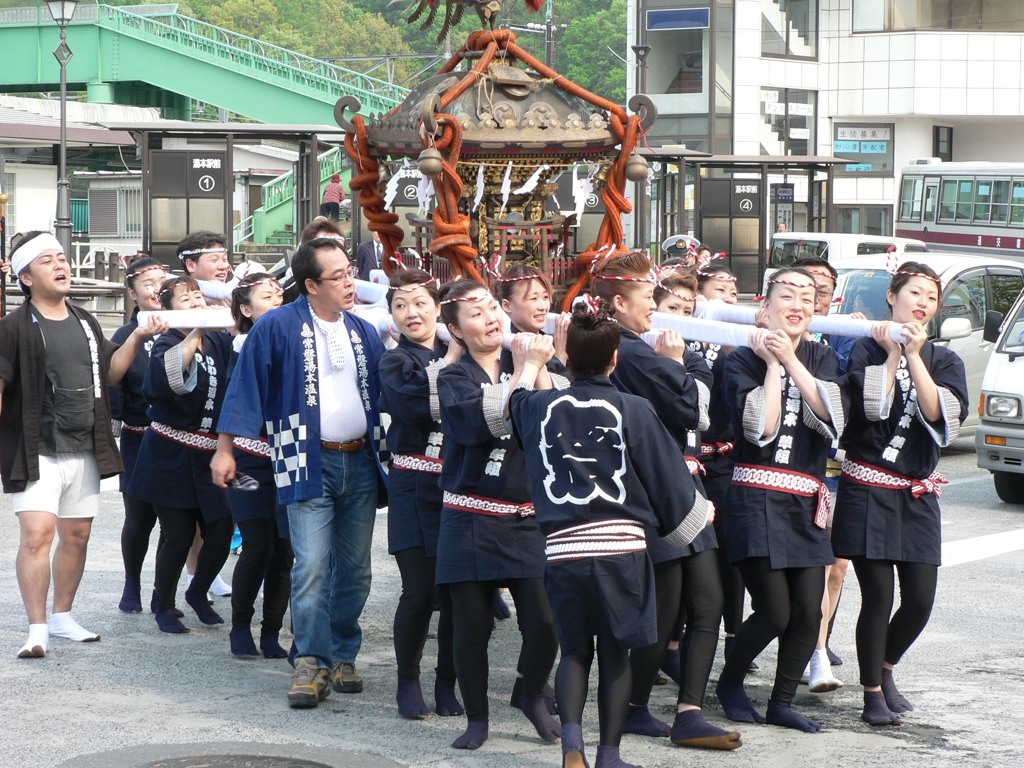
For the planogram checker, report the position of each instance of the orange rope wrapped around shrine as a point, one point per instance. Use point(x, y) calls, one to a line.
point(381, 220)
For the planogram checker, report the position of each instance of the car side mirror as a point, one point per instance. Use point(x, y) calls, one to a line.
point(954, 328)
point(993, 320)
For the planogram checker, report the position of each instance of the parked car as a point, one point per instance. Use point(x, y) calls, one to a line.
point(972, 285)
point(787, 247)
point(1000, 436)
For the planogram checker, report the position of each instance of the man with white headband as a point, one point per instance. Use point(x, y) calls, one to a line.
point(204, 257)
point(55, 437)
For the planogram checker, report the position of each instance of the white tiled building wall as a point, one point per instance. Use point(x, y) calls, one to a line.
point(970, 81)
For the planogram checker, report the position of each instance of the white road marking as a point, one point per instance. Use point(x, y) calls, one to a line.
point(980, 547)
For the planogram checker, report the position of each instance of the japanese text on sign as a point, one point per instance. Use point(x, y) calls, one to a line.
point(746, 189)
point(205, 162)
point(852, 132)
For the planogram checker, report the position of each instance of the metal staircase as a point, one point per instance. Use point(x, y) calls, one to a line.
point(156, 45)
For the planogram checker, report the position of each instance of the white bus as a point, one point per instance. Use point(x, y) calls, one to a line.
point(976, 206)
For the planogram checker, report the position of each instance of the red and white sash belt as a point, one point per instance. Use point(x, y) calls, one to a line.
point(693, 465)
point(869, 474)
point(716, 449)
point(417, 462)
point(596, 539)
point(135, 430)
point(257, 446)
point(787, 481)
point(481, 505)
point(204, 441)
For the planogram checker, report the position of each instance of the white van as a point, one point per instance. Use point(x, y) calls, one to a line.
point(1000, 436)
point(788, 247)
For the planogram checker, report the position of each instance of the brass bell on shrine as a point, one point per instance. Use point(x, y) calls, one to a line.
point(636, 168)
point(430, 162)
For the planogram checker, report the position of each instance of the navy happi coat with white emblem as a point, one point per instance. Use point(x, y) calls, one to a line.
point(175, 474)
point(595, 454)
point(408, 393)
point(888, 431)
point(775, 523)
point(680, 396)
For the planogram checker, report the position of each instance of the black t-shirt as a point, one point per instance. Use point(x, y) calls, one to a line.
point(68, 411)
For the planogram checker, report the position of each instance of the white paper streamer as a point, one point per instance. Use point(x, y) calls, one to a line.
point(424, 191)
point(531, 183)
point(214, 317)
point(506, 188)
point(391, 190)
point(581, 190)
point(479, 187)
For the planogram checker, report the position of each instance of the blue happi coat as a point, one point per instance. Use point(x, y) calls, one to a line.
point(274, 386)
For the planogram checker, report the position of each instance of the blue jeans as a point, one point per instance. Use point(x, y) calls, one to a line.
point(331, 538)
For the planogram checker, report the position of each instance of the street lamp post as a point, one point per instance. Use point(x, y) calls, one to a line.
point(62, 12)
point(642, 237)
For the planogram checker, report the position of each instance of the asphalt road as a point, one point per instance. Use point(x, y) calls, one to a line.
point(139, 695)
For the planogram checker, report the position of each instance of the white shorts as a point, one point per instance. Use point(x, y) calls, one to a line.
point(68, 486)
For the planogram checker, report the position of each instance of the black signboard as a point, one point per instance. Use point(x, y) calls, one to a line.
point(206, 174)
point(745, 198)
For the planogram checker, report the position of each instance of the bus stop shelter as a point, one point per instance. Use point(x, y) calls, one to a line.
point(185, 189)
point(732, 202)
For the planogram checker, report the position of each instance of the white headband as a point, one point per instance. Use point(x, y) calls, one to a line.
point(32, 250)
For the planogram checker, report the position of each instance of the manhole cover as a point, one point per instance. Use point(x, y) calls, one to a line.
point(233, 761)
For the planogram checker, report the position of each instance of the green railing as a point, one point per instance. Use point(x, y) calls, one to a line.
point(248, 55)
point(278, 193)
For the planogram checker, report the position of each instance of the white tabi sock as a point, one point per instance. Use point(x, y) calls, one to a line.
point(64, 625)
point(38, 642)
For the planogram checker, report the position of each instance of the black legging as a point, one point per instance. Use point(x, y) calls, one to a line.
point(179, 530)
point(728, 574)
point(786, 604)
point(139, 519)
point(880, 640)
point(613, 684)
point(266, 559)
point(689, 584)
point(412, 615)
point(472, 621)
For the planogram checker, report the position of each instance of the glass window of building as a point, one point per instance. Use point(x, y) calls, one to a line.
point(789, 28)
point(942, 143)
point(788, 121)
point(678, 64)
point(883, 15)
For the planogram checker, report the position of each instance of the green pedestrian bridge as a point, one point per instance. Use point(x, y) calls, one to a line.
point(153, 56)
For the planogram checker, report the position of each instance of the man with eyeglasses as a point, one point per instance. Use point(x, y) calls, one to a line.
point(308, 371)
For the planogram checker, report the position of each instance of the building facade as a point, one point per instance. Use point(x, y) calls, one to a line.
point(879, 83)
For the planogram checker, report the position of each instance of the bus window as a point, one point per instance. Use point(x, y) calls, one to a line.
point(947, 201)
point(1000, 200)
point(983, 201)
point(1017, 202)
point(931, 192)
point(964, 198)
point(910, 200)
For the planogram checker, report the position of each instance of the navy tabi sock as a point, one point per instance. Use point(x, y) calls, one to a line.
point(516, 700)
point(608, 757)
point(168, 621)
point(875, 710)
point(894, 700)
point(690, 729)
point(131, 597)
point(787, 717)
point(271, 647)
point(474, 737)
point(242, 643)
point(640, 722)
point(201, 605)
point(446, 703)
point(670, 664)
point(410, 699)
point(735, 703)
point(537, 713)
